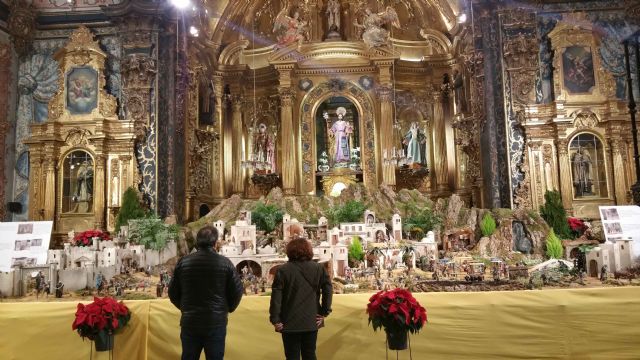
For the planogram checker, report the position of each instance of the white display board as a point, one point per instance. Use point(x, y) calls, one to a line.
point(24, 243)
point(622, 222)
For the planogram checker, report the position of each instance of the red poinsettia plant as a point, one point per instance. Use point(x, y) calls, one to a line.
point(396, 310)
point(85, 238)
point(577, 226)
point(102, 317)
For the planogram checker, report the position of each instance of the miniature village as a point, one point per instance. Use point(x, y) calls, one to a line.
point(366, 240)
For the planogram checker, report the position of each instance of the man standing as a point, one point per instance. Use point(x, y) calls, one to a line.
point(205, 287)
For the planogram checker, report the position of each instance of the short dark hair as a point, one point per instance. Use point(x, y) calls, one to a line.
point(206, 237)
point(299, 249)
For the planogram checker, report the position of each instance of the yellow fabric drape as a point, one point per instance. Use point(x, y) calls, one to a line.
point(585, 324)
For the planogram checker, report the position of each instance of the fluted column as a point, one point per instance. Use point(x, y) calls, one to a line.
point(99, 190)
point(386, 131)
point(288, 145)
point(619, 172)
point(440, 144)
point(36, 172)
point(566, 186)
point(219, 180)
point(50, 188)
point(236, 121)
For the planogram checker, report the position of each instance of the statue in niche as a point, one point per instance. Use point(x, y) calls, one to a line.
point(84, 187)
point(339, 137)
point(264, 149)
point(374, 34)
point(333, 19)
point(414, 141)
point(458, 91)
point(290, 29)
point(581, 164)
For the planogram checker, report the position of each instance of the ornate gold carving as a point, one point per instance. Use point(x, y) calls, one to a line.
point(81, 51)
point(547, 154)
point(138, 73)
point(201, 161)
point(584, 119)
point(561, 145)
point(287, 96)
point(97, 131)
point(22, 25)
point(307, 130)
point(77, 136)
point(5, 126)
point(384, 94)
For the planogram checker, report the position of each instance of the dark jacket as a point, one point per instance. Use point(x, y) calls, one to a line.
point(295, 295)
point(205, 287)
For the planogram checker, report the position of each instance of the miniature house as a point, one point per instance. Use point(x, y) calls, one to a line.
point(616, 255)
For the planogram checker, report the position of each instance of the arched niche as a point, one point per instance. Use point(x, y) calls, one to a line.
point(588, 166)
point(77, 182)
point(308, 164)
point(401, 135)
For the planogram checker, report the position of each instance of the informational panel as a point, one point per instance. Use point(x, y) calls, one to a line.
point(24, 243)
point(622, 222)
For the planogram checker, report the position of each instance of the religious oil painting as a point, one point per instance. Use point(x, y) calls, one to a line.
point(82, 90)
point(577, 65)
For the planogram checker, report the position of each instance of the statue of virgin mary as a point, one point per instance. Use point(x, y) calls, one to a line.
point(341, 130)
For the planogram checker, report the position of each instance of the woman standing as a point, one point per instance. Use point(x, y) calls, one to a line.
point(300, 300)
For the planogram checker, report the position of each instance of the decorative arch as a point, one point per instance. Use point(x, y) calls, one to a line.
point(231, 55)
point(588, 164)
point(308, 107)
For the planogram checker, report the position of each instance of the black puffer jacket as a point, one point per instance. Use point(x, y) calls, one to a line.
point(205, 287)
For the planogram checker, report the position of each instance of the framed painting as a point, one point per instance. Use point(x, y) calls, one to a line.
point(82, 90)
point(577, 69)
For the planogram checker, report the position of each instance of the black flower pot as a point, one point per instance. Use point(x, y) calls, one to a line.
point(397, 340)
point(104, 342)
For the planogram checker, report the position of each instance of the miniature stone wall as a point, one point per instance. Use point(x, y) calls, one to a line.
point(6, 283)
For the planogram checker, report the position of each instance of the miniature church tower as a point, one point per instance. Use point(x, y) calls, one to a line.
point(396, 227)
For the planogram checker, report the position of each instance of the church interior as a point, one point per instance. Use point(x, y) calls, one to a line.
point(201, 105)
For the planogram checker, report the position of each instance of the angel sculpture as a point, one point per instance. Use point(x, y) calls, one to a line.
point(374, 34)
point(289, 29)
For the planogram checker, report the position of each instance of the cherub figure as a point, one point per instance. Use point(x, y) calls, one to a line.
point(374, 34)
point(290, 29)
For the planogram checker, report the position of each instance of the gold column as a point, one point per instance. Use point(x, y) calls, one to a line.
point(219, 180)
point(237, 172)
point(386, 129)
point(99, 189)
point(50, 186)
point(288, 145)
point(619, 172)
point(440, 141)
point(566, 187)
point(35, 171)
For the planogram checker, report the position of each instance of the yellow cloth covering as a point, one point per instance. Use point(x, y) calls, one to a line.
point(549, 324)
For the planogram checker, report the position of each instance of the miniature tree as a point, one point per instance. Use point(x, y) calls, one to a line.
point(356, 254)
point(152, 233)
point(266, 217)
point(487, 225)
point(352, 211)
point(420, 221)
point(555, 215)
point(130, 209)
point(554, 246)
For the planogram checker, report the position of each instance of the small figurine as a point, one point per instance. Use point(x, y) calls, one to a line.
point(603, 273)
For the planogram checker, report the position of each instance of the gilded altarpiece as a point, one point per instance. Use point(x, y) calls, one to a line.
point(578, 143)
point(82, 155)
